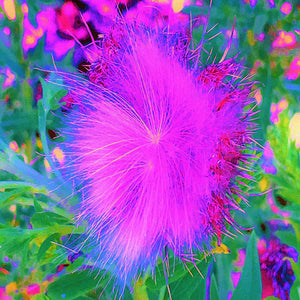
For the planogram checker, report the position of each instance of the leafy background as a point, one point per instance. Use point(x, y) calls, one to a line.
point(36, 217)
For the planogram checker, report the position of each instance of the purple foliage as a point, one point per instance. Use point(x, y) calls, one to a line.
point(274, 261)
point(155, 145)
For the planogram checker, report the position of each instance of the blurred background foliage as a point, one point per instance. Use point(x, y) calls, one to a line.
point(36, 216)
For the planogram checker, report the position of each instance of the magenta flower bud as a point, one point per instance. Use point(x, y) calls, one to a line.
point(155, 145)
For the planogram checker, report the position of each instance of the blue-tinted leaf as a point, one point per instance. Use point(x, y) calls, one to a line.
point(193, 10)
point(260, 22)
point(51, 95)
point(214, 295)
point(250, 285)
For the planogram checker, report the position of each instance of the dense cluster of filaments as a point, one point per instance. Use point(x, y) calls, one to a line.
point(157, 146)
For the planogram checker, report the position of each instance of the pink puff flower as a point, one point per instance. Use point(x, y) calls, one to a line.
point(154, 144)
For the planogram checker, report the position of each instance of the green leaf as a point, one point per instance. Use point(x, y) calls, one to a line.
point(47, 218)
point(50, 101)
point(193, 10)
point(222, 272)
point(8, 58)
point(74, 285)
point(26, 121)
point(11, 163)
point(157, 294)
point(191, 287)
point(140, 290)
point(37, 53)
point(76, 264)
point(51, 94)
point(85, 298)
point(5, 196)
point(2, 105)
point(47, 244)
point(214, 295)
point(250, 285)
point(37, 206)
point(26, 186)
point(180, 270)
point(260, 22)
point(39, 297)
point(32, 12)
point(15, 240)
point(287, 238)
